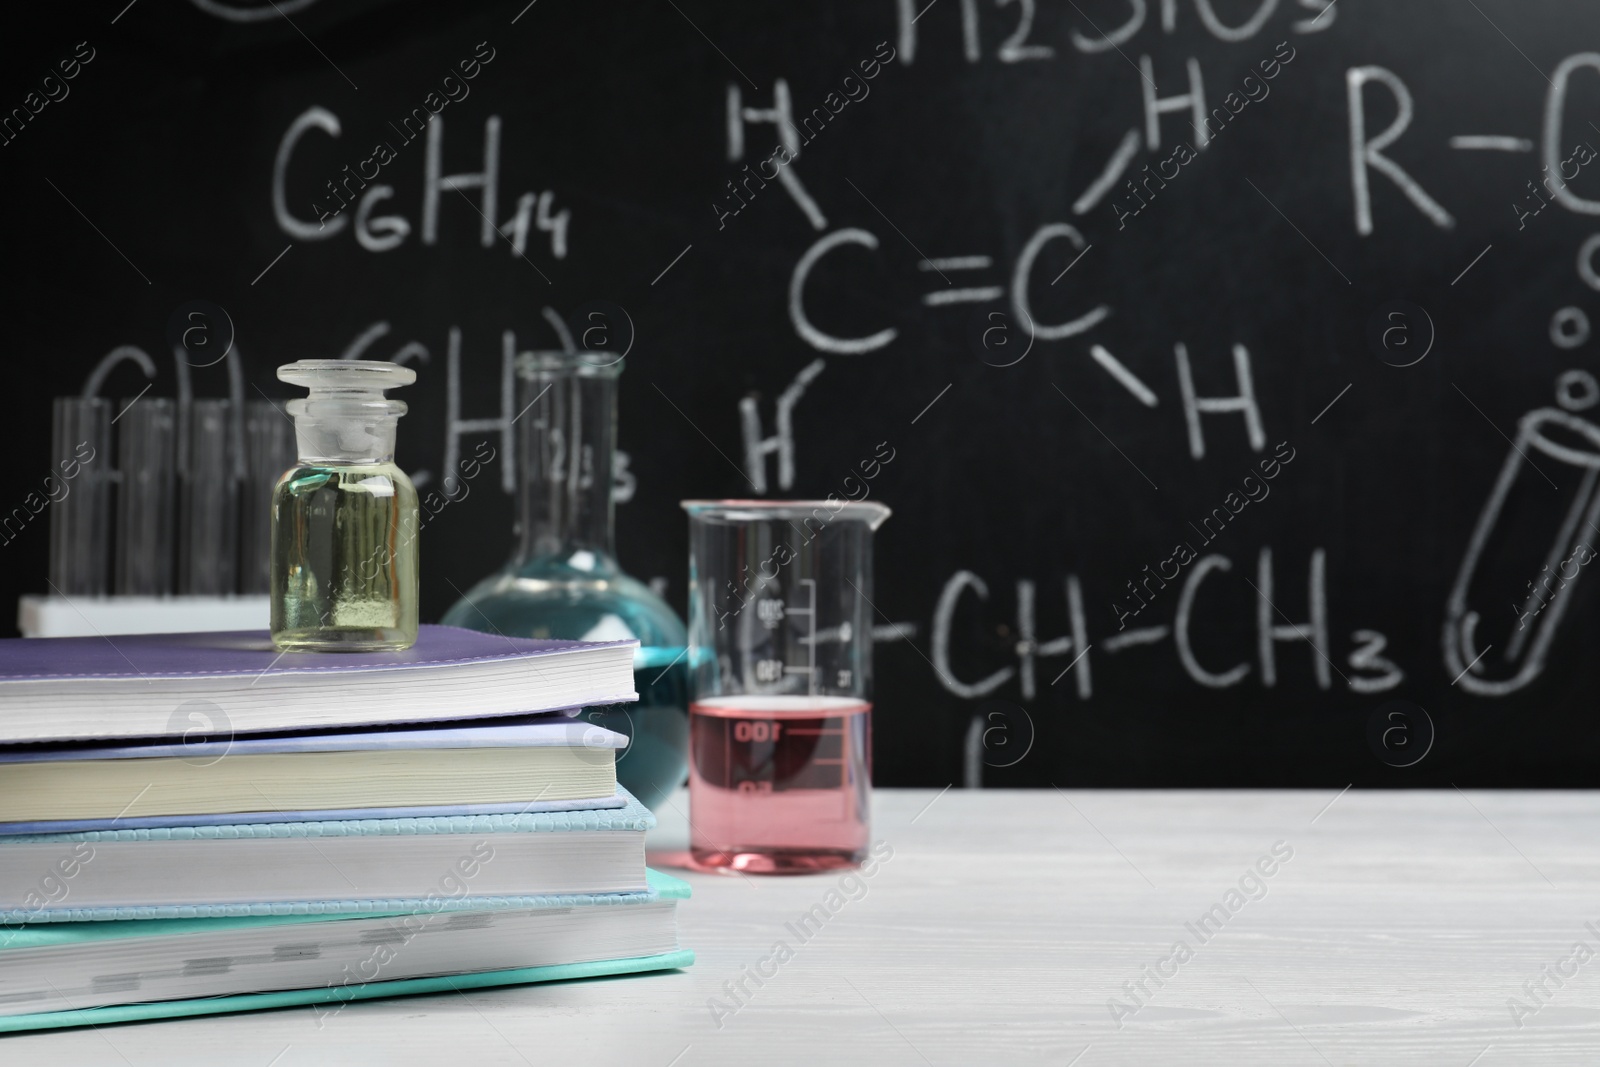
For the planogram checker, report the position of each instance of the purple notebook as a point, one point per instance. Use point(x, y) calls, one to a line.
point(221, 684)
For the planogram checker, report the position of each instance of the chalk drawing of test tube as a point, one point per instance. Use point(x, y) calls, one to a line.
point(1502, 656)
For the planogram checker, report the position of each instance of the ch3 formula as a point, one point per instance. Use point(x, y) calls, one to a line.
point(1362, 666)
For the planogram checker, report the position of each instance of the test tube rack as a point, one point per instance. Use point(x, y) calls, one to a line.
point(159, 516)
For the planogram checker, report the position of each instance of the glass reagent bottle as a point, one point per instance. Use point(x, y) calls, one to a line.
point(344, 518)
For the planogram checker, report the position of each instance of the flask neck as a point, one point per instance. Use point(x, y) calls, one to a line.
point(565, 438)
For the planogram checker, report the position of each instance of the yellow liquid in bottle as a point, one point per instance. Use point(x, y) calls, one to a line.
point(344, 554)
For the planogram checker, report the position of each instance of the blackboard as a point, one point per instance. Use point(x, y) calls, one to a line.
point(1234, 356)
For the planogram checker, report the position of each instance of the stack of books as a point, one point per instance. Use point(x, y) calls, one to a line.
point(196, 823)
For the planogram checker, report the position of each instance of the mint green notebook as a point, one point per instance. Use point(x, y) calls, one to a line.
point(666, 888)
point(293, 998)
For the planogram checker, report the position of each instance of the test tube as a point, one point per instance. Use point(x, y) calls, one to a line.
point(79, 492)
point(1533, 538)
point(269, 451)
point(147, 433)
point(208, 505)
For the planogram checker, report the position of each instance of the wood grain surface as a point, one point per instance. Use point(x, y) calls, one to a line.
point(1001, 925)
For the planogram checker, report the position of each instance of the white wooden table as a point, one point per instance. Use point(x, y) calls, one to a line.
point(1005, 923)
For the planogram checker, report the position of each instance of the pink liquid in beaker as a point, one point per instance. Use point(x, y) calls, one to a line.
point(779, 784)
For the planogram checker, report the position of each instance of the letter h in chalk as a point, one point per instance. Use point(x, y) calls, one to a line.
point(434, 182)
point(1194, 102)
point(457, 427)
point(1245, 403)
point(1273, 625)
point(1028, 645)
point(781, 115)
point(757, 446)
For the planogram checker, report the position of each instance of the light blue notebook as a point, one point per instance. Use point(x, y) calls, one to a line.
point(364, 866)
point(110, 972)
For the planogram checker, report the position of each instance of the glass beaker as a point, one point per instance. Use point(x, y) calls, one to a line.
point(780, 639)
